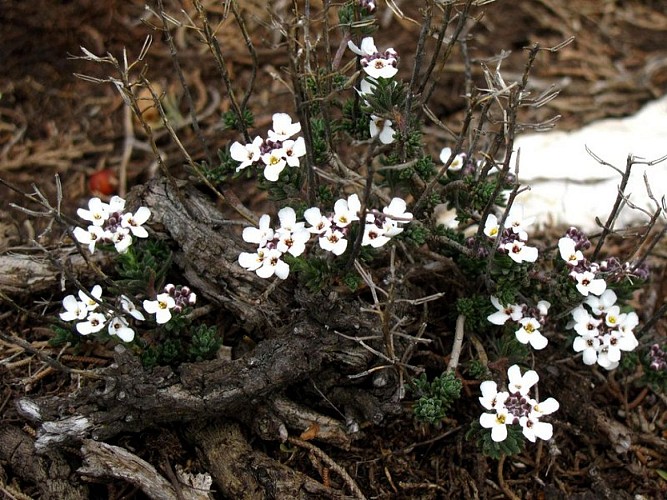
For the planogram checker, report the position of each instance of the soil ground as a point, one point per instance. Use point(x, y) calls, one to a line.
point(52, 122)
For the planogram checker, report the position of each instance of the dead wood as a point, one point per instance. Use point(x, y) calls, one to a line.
point(25, 272)
point(50, 472)
point(102, 460)
point(300, 344)
point(243, 473)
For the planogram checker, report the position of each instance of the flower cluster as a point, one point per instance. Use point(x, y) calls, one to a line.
point(92, 319)
point(110, 223)
point(530, 319)
point(657, 358)
point(331, 230)
point(516, 407)
point(174, 298)
point(582, 272)
point(514, 236)
point(376, 65)
point(604, 331)
point(275, 152)
point(369, 5)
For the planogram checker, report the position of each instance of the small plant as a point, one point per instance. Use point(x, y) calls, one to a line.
point(435, 397)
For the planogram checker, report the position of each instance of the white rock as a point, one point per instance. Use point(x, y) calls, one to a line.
point(569, 187)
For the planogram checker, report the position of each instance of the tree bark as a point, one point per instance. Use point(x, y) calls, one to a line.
point(298, 342)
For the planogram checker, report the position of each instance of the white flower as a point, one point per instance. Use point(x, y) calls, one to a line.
point(346, 211)
point(118, 326)
point(134, 222)
point(546, 407)
point(497, 423)
point(390, 227)
point(252, 261)
point(292, 235)
point(373, 235)
point(609, 354)
point(121, 239)
point(585, 324)
point(566, 247)
point(90, 303)
point(260, 235)
point(94, 323)
point(319, 223)
point(275, 163)
point(517, 222)
point(629, 323)
point(491, 399)
point(532, 428)
point(272, 264)
point(382, 128)
point(375, 64)
point(521, 383)
point(396, 210)
point(529, 333)
point(491, 226)
point(160, 307)
point(586, 283)
point(128, 306)
point(333, 241)
point(500, 317)
point(367, 47)
point(248, 154)
point(519, 252)
point(116, 205)
point(294, 150)
point(457, 162)
point(588, 344)
point(90, 237)
point(613, 317)
point(74, 309)
point(288, 223)
point(543, 307)
point(293, 242)
point(381, 67)
point(97, 212)
point(283, 128)
point(600, 304)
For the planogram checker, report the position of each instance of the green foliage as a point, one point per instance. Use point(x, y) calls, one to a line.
point(477, 370)
point(178, 341)
point(387, 97)
point(509, 347)
point(230, 120)
point(320, 146)
point(325, 195)
point(226, 168)
point(436, 397)
point(347, 17)
point(63, 336)
point(511, 446)
point(288, 186)
point(355, 120)
point(145, 262)
point(205, 343)
point(352, 281)
point(425, 168)
point(416, 234)
point(475, 308)
point(315, 272)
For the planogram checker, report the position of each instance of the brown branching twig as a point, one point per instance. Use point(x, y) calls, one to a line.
point(351, 483)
